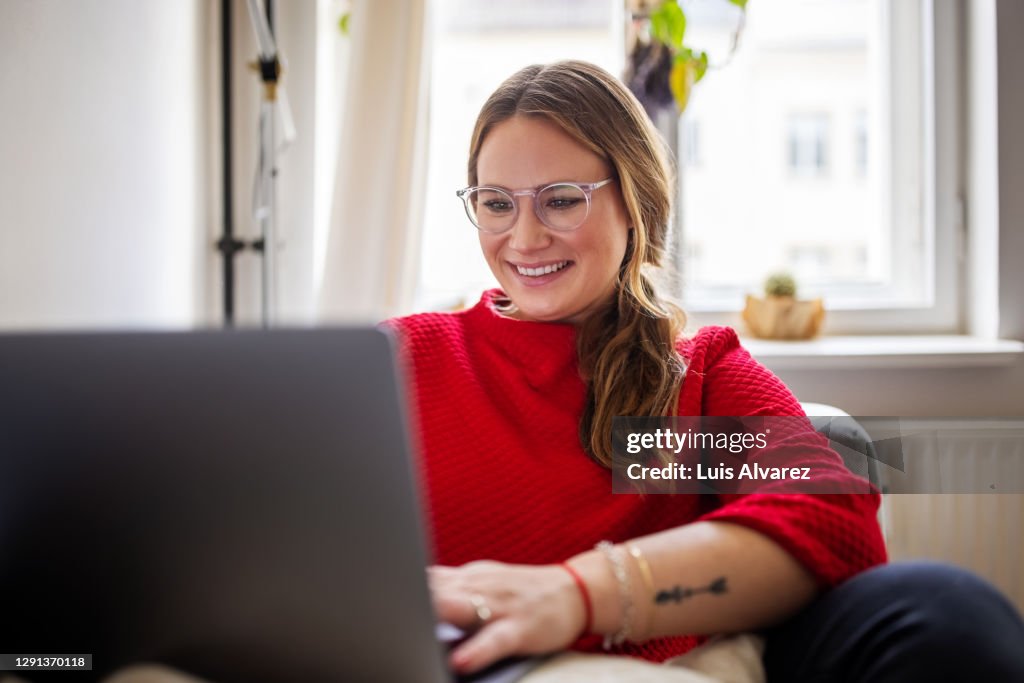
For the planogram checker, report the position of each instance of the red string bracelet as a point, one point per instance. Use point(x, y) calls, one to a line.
point(588, 607)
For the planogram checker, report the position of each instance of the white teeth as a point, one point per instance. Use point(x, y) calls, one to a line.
point(536, 272)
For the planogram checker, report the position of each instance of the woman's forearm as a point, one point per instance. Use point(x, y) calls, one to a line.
point(702, 578)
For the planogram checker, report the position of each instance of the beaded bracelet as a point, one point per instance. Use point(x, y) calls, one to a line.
point(616, 558)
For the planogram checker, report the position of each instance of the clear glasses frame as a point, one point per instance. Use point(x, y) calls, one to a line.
point(587, 189)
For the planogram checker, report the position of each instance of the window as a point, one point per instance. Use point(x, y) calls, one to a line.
point(826, 146)
point(807, 143)
point(820, 139)
point(860, 143)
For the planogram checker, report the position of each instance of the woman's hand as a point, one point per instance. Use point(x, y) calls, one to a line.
point(509, 609)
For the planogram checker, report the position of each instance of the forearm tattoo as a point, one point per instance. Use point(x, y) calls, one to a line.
point(680, 593)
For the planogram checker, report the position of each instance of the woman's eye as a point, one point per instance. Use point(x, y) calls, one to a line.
point(562, 203)
point(497, 206)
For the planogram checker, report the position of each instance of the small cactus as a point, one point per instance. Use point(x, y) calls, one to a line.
point(780, 284)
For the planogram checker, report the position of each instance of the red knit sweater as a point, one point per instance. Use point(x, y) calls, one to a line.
point(497, 404)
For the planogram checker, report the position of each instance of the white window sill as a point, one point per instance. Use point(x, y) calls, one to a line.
point(892, 351)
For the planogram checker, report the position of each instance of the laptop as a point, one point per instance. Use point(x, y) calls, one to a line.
point(240, 505)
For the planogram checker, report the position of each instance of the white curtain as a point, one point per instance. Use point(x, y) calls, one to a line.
point(372, 249)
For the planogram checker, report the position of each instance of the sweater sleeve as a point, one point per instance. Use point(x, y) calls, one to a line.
point(833, 535)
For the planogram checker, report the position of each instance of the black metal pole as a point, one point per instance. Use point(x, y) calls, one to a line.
point(228, 245)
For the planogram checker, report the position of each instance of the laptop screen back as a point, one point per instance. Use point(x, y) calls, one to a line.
point(238, 504)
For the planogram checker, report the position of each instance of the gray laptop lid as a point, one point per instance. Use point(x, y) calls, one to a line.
point(238, 504)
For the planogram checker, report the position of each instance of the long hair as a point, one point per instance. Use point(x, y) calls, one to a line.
point(627, 350)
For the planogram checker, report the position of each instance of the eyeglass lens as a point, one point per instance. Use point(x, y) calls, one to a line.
point(560, 207)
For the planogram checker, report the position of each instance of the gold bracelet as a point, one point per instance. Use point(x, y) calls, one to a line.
point(644, 565)
point(645, 572)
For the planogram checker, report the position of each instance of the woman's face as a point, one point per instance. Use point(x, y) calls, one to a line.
point(529, 153)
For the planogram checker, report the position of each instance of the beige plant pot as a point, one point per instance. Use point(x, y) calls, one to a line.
point(783, 317)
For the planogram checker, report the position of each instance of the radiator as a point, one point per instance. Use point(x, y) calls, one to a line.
point(971, 511)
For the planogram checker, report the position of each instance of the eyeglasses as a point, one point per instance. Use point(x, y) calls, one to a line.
point(560, 206)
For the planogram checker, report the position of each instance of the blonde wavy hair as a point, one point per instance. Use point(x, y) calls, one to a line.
point(627, 351)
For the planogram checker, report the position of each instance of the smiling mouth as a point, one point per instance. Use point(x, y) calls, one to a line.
point(541, 270)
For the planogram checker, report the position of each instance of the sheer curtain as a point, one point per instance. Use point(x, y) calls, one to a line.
point(372, 248)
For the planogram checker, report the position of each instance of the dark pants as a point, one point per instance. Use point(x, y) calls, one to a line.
point(911, 621)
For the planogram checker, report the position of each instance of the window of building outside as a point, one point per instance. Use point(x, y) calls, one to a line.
point(807, 143)
point(808, 146)
point(860, 142)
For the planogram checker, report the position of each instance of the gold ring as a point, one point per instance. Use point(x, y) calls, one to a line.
point(483, 612)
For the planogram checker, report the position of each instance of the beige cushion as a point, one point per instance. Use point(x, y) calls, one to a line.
point(733, 659)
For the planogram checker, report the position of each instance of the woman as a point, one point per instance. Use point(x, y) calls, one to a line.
point(570, 192)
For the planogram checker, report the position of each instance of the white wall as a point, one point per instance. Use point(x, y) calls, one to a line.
point(941, 392)
point(106, 190)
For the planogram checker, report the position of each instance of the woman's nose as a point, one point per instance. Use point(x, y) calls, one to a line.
point(528, 233)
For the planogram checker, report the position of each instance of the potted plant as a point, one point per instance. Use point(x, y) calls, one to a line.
point(780, 315)
point(661, 67)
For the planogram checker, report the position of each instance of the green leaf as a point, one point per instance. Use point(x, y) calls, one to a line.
point(701, 65)
point(668, 24)
point(742, 4)
point(343, 23)
point(659, 27)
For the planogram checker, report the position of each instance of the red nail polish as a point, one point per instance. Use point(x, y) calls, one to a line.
point(460, 660)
